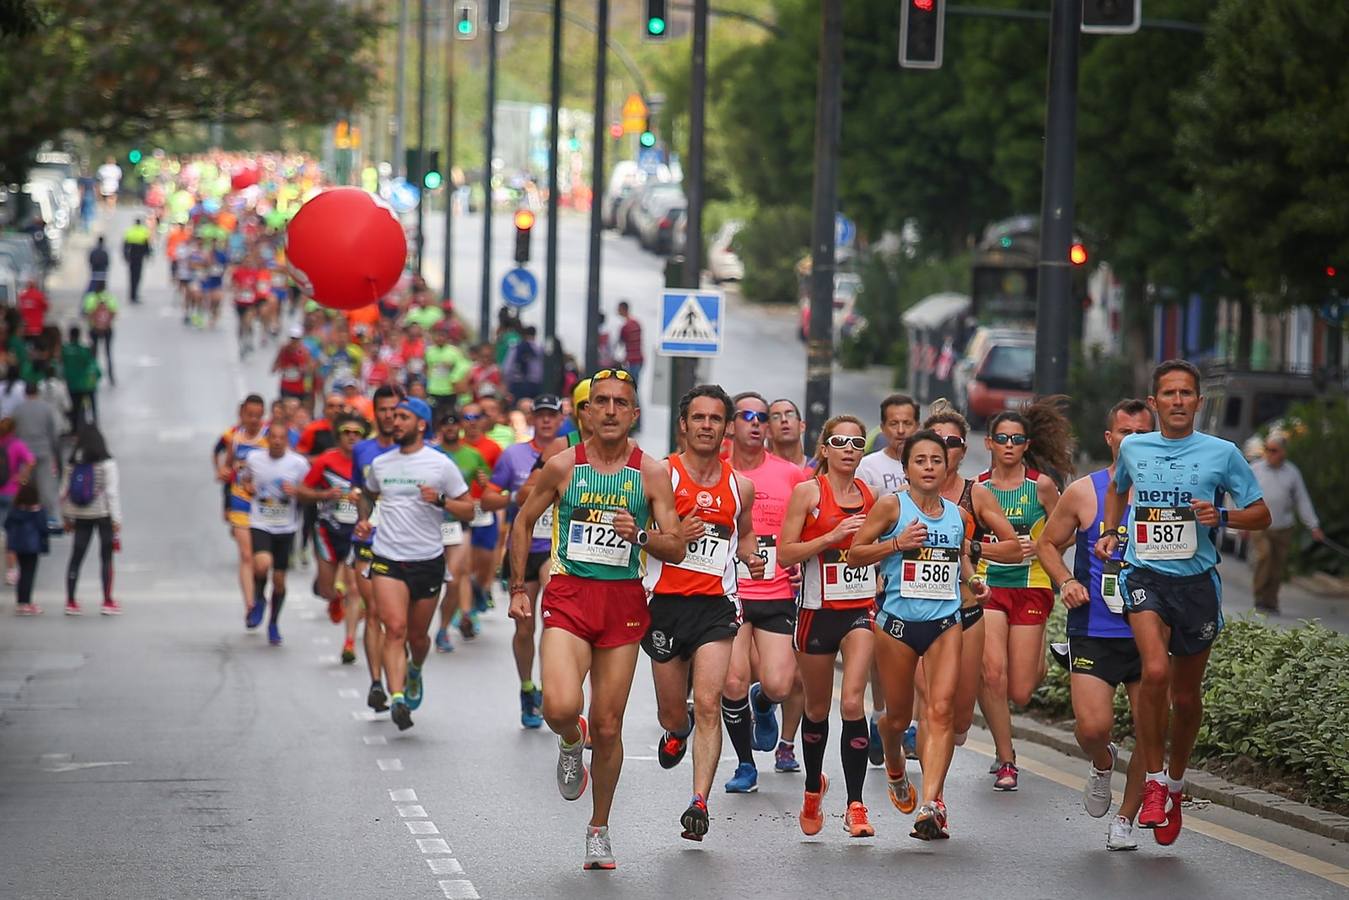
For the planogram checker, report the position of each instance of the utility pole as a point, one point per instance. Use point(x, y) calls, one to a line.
point(552, 367)
point(489, 129)
point(422, 16)
point(1054, 284)
point(596, 188)
point(400, 86)
point(447, 287)
point(824, 206)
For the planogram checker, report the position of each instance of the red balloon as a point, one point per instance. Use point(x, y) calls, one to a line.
point(345, 248)
point(246, 177)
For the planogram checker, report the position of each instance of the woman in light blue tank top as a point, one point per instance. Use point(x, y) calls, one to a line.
point(920, 541)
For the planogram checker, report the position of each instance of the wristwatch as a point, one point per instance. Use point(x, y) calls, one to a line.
point(642, 537)
point(1222, 516)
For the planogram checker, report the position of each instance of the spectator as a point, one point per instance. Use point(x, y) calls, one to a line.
point(135, 250)
point(26, 534)
point(630, 340)
point(90, 501)
point(524, 366)
point(35, 423)
point(1288, 501)
point(33, 309)
point(16, 465)
point(11, 391)
point(98, 265)
point(80, 369)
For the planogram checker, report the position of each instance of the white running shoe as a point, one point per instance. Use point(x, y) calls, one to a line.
point(572, 775)
point(1121, 835)
point(599, 851)
point(1096, 794)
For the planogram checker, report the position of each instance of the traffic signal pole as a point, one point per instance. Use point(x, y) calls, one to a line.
point(422, 16)
point(447, 283)
point(1054, 284)
point(552, 369)
point(489, 133)
point(824, 206)
point(596, 188)
point(399, 82)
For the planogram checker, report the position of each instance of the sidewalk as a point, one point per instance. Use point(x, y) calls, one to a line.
point(1319, 597)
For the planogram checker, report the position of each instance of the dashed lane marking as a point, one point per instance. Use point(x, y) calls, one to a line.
point(348, 693)
point(389, 765)
point(422, 827)
point(459, 890)
point(445, 865)
point(433, 845)
point(415, 811)
point(403, 795)
point(372, 740)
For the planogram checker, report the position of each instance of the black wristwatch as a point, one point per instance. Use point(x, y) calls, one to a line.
point(642, 537)
point(441, 500)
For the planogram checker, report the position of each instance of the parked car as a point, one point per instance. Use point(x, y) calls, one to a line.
point(652, 208)
point(60, 167)
point(847, 287)
point(658, 231)
point(10, 283)
point(19, 249)
point(45, 198)
point(723, 258)
point(998, 373)
point(623, 181)
point(1237, 404)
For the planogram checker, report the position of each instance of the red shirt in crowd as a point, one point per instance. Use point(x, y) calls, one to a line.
point(33, 309)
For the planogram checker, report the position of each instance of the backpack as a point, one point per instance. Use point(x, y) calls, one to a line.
point(101, 318)
point(82, 484)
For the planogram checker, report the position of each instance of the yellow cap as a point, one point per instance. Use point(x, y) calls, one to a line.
point(581, 393)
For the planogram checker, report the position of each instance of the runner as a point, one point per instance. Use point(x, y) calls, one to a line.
point(456, 603)
point(513, 469)
point(1101, 650)
point(784, 435)
point(921, 541)
point(1171, 584)
point(228, 457)
point(273, 479)
point(1025, 446)
point(485, 532)
point(415, 487)
point(604, 492)
point(362, 455)
point(329, 484)
point(768, 605)
point(694, 611)
point(834, 614)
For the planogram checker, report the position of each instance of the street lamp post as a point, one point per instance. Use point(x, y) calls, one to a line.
point(596, 186)
point(552, 359)
point(489, 131)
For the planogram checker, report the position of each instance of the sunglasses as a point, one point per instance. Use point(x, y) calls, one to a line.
point(841, 441)
point(1016, 440)
point(953, 442)
point(472, 417)
point(620, 374)
point(352, 431)
point(750, 415)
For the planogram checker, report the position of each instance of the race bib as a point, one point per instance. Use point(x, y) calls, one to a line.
point(543, 526)
point(290, 373)
point(591, 538)
point(841, 583)
point(929, 573)
point(1110, 587)
point(345, 512)
point(1162, 532)
point(481, 518)
point(1022, 531)
point(709, 554)
point(767, 551)
point(451, 533)
point(274, 512)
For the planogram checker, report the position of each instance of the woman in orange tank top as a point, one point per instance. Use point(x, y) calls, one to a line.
point(834, 614)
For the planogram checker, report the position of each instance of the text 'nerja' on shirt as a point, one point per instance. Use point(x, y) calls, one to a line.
point(828, 583)
point(585, 543)
point(708, 568)
point(923, 584)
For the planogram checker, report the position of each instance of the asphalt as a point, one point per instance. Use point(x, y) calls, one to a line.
point(168, 753)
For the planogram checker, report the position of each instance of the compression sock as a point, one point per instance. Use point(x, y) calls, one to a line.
point(278, 598)
point(259, 589)
point(853, 752)
point(735, 713)
point(814, 738)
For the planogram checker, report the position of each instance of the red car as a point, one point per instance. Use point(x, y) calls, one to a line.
point(1002, 372)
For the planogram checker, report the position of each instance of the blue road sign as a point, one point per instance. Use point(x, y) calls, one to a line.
point(404, 195)
point(519, 288)
point(691, 323)
point(845, 232)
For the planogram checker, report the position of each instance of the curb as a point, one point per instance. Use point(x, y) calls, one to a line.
point(1199, 784)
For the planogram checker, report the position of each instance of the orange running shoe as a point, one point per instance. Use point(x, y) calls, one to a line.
point(335, 610)
point(855, 821)
point(902, 792)
point(812, 815)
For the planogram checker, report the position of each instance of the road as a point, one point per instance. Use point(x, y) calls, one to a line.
point(168, 753)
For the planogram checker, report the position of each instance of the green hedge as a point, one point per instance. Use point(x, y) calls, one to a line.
point(1278, 698)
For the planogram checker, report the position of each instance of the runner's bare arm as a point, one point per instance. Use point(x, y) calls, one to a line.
point(554, 475)
point(865, 550)
point(1111, 519)
point(666, 543)
point(495, 498)
point(1060, 531)
point(1007, 549)
point(791, 549)
point(747, 545)
point(1048, 493)
point(1252, 518)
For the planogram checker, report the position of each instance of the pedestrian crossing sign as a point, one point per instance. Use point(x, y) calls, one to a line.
point(692, 323)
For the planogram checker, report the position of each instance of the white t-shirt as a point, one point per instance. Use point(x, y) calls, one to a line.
point(882, 472)
point(109, 178)
point(272, 510)
point(409, 527)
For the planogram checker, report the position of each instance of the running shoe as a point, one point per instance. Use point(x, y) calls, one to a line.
point(939, 806)
point(855, 821)
point(255, 612)
point(572, 774)
point(745, 780)
point(376, 699)
point(1006, 780)
point(694, 819)
point(335, 610)
point(274, 635)
point(110, 607)
point(673, 745)
point(12, 576)
point(479, 598)
point(304, 555)
point(400, 713)
point(413, 692)
point(928, 826)
point(443, 644)
point(765, 725)
point(902, 792)
point(910, 741)
point(599, 851)
point(348, 652)
point(875, 749)
point(28, 609)
point(1167, 833)
point(784, 759)
point(467, 626)
point(1121, 836)
point(811, 816)
point(73, 608)
point(530, 701)
point(1153, 812)
point(1096, 794)
point(1059, 651)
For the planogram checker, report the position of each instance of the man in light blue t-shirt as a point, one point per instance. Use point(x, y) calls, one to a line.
point(1171, 589)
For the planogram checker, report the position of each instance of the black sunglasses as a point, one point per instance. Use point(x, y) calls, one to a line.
point(1016, 440)
point(750, 415)
point(953, 442)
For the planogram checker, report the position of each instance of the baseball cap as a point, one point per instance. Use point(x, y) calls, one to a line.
point(580, 394)
point(296, 331)
point(418, 407)
point(547, 402)
point(343, 383)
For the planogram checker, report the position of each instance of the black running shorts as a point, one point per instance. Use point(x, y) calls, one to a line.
point(775, 616)
point(278, 545)
point(1113, 660)
point(681, 624)
point(423, 577)
point(1190, 605)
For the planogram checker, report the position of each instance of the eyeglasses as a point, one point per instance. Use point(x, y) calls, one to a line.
point(346, 432)
point(954, 442)
point(751, 415)
point(785, 416)
point(1016, 440)
point(840, 441)
point(620, 374)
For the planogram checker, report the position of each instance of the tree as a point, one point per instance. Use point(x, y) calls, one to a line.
point(117, 70)
point(1264, 135)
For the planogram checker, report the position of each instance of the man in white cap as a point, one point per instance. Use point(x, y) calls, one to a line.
point(295, 366)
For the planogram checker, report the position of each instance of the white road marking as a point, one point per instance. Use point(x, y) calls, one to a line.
point(372, 740)
point(433, 845)
point(411, 812)
point(348, 693)
point(365, 715)
point(316, 639)
point(75, 767)
point(389, 765)
point(459, 890)
point(422, 827)
point(403, 795)
point(445, 865)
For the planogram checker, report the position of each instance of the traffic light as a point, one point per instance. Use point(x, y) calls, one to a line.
point(648, 137)
point(503, 13)
point(524, 224)
point(656, 22)
point(922, 24)
point(1077, 254)
point(432, 178)
point(465, 20)
point(413, 166)
point(134, 157)
point(1111, 16)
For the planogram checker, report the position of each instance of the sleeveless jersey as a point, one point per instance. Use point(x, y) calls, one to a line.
point(708, 568)
point(923, 584)
point(239, 445)
point(584, 541)
point(828, 582)
point(1024, 511)
point(1100, 578)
